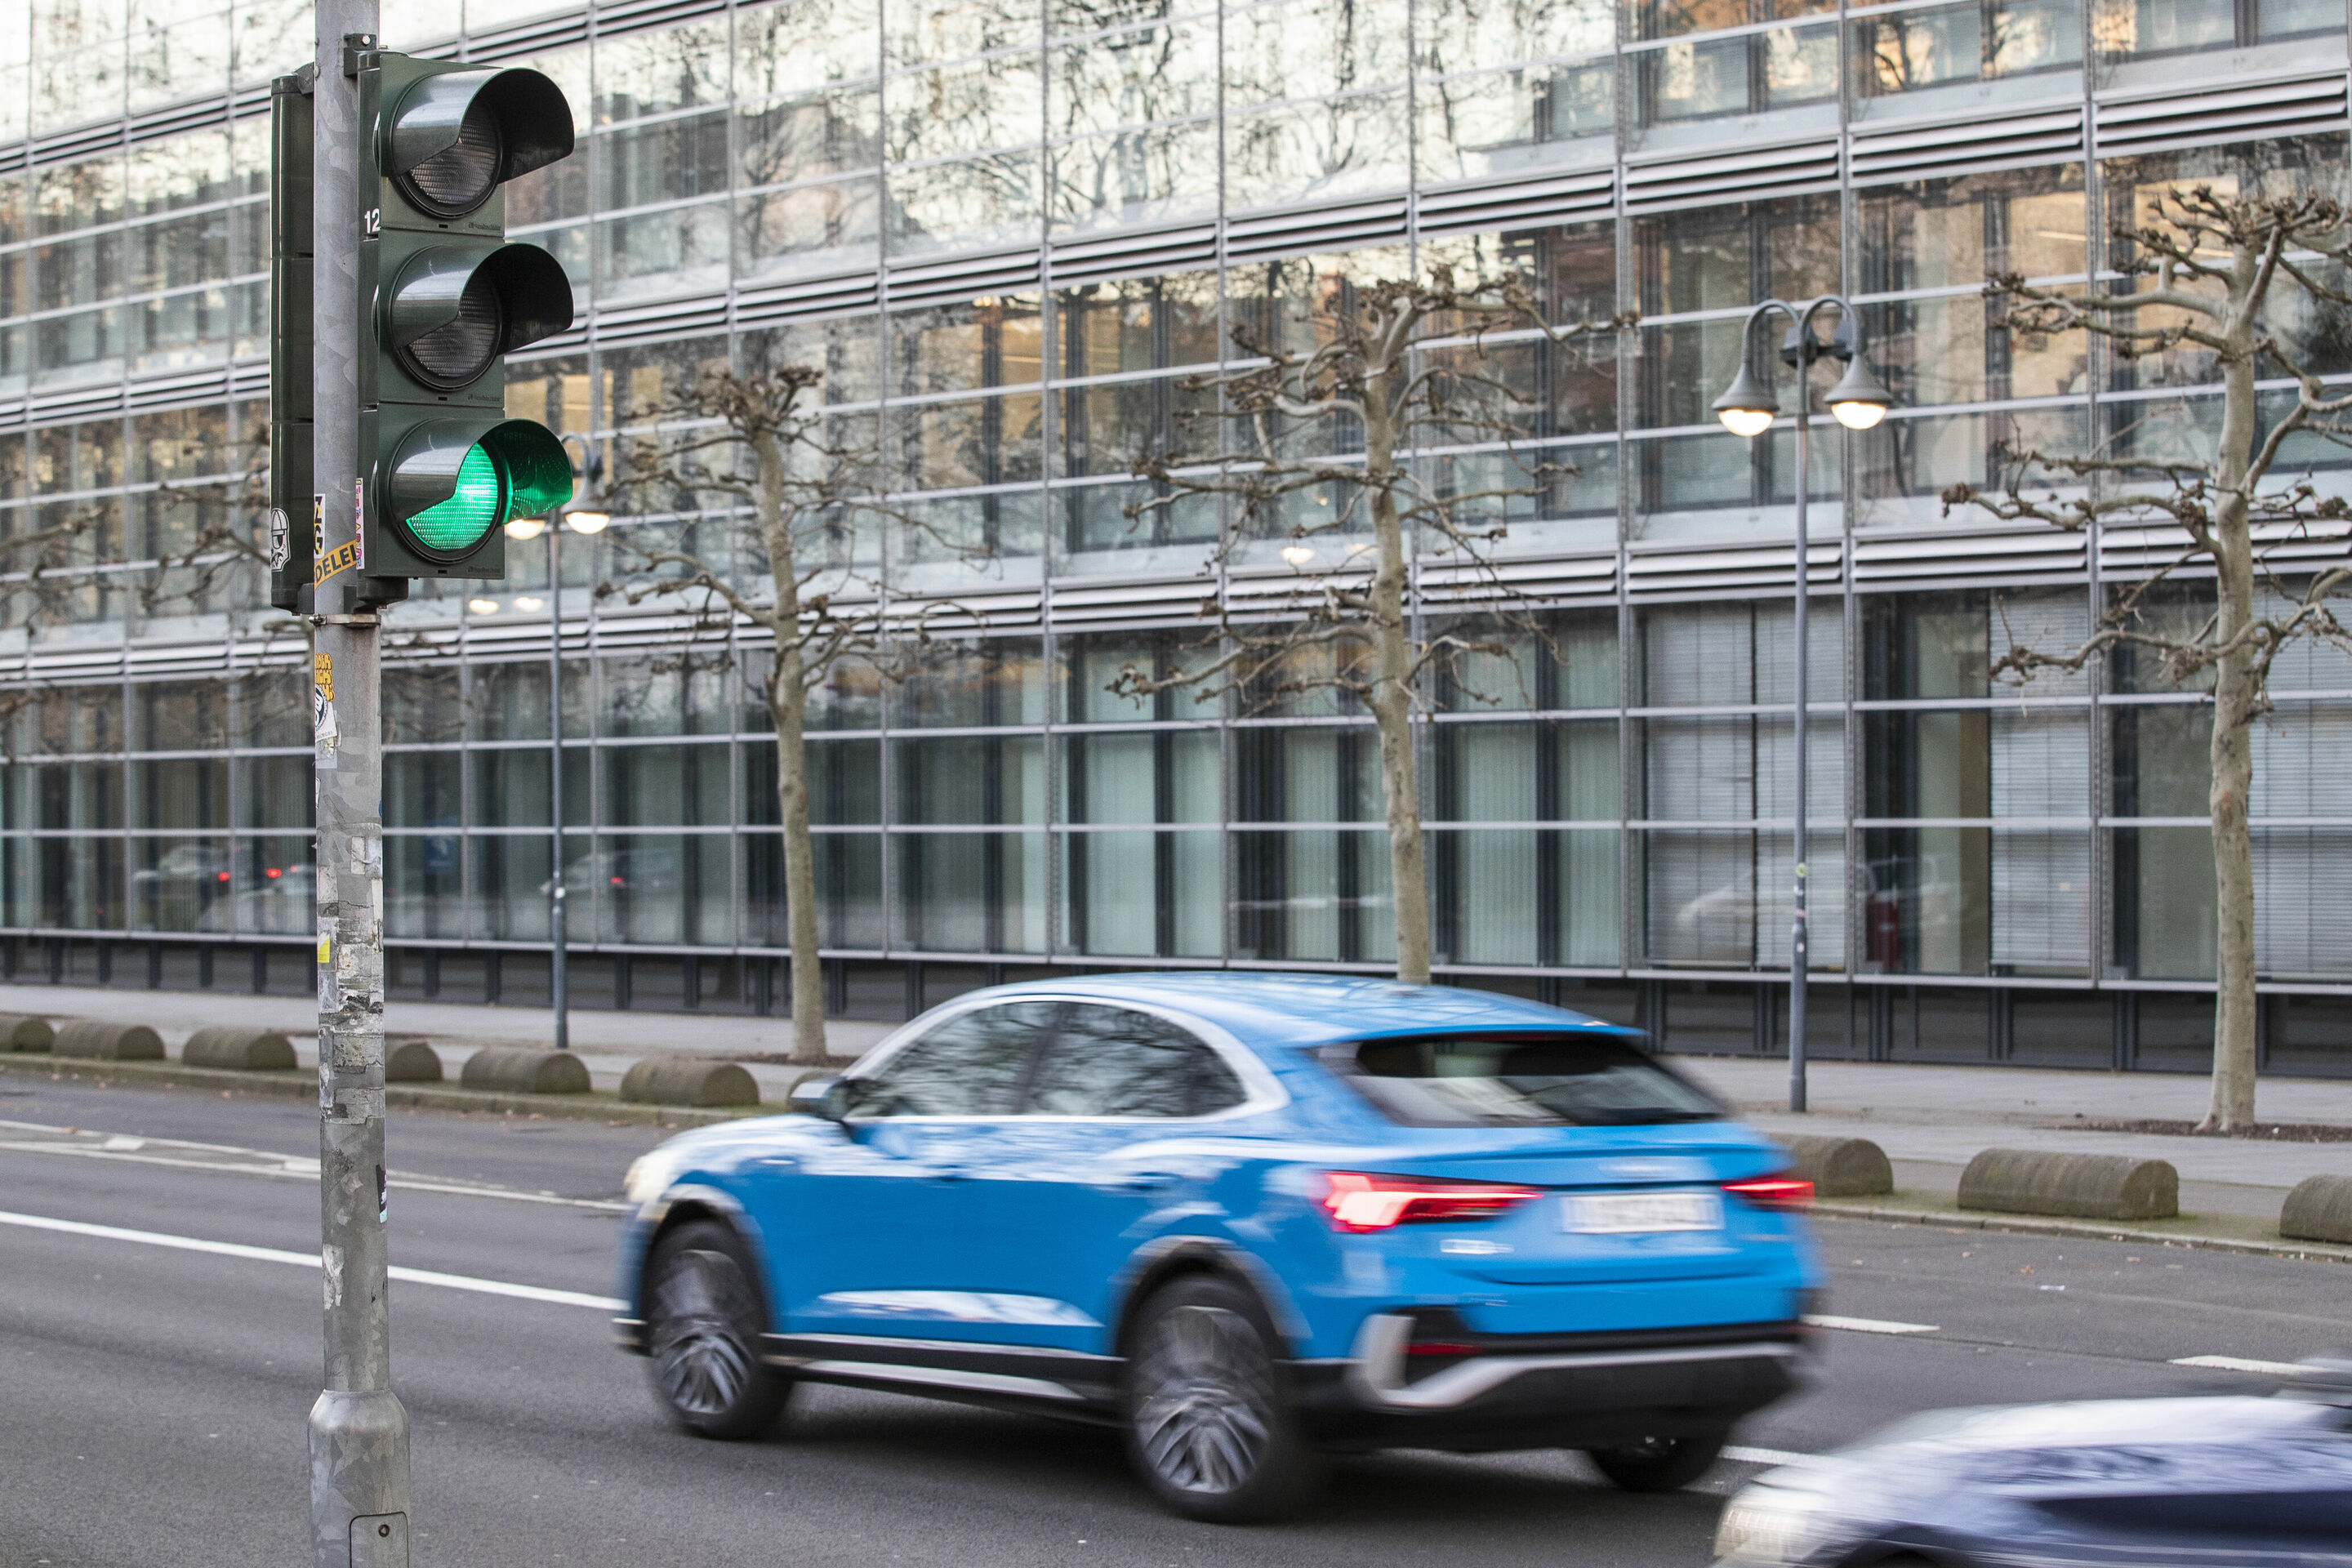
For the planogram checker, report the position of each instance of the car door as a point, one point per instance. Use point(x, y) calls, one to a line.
point(1110, 1147)
point(887, 1224)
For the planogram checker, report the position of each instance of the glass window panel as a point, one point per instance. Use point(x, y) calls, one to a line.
point(1163, 72)
point(1306, 151)
point(182, 884)
point(2302, 901)
point(422, 705)
point(2287, 18)
point(1098, 535)
point(969, 779)
point(1313, 894)
point(1141, 175)
point(849, 890)
point(421, 790)
point(662, 161)
point(659, 889)
point(423, 886)
point(665, 786)
point(1468, 35)
point(1143, 895)
point(851, 698)
point(683, 692)
point(809, 228)
point(275, 792)
point(1474, 125)
point(649, 376)
point(180, 716)
point(189, 58)
point(972, 684)
point(511, 885)
point(1903, 468)
point(665, 252)
point(182, 792)
point(825, 132)
point(917, 30)
point(973, 1065)
point(972, 892)
point(277, 887)
point(996, 340)
point(1312, 47)
point(648, 73)
point(974, 202)
point(845, 784)
point(789, 48)
point(982, 441)
point(965, 108)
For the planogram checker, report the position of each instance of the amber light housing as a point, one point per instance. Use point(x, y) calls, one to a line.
point(1357, 1201)
point(1777, 1191)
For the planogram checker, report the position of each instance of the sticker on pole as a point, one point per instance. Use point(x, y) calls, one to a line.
point(322, 710)
point(281, 540)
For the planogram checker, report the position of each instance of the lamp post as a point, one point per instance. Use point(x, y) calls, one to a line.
point(1748, 407)
point(583, 513)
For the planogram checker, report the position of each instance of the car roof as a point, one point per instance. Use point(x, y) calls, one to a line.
point(1276, 1008)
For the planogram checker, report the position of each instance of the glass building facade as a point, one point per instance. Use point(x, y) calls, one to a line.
point(1013, 232)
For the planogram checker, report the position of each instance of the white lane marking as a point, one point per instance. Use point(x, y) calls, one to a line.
point(1765, 1456)
point(144, 1151)
point(310, 1260)
point(1870, 1325)
point(2240, 1364)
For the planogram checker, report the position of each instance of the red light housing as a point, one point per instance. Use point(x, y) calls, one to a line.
point(1778, 1190)
point(1357, 1202)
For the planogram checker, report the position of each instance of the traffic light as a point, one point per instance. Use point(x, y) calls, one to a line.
point(444, 297)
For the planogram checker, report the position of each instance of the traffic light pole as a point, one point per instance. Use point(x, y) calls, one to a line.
point(359, 1432)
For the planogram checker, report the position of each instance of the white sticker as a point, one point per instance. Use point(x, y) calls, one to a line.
point(281, 541)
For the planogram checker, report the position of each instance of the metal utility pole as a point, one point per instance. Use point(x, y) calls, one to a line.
point(359, 1432)
point(558, 931)
point(1748, 407)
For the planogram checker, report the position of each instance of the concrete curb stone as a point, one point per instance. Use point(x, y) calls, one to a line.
point(683, 1080)
point(2077, 1186)
point(412, 1061)
point(1839, 1167)
point(2318, 1209)
point(95, 1039)
point(525, 1072)
point(2029, 1224)
point(239, 1050)
point(20, 1032)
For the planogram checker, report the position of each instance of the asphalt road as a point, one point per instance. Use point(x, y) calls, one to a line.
point(152, 1399)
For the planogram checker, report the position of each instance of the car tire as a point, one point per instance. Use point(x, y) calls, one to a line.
point(704, 1317)
point(1659, 1464)
point(1209, 1423)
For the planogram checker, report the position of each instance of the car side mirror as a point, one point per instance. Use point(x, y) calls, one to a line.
point(823, 1096)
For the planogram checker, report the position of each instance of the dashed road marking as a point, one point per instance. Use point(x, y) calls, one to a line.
point(310, 1260)
point(2240, 1364)
point(1765, 1456)
point(1870, 1325)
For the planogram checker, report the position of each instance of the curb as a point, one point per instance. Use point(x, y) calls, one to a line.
point(304, 1085)
point(2033, 1226)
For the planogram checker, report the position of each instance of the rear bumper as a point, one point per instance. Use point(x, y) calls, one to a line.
point(1549, 1391)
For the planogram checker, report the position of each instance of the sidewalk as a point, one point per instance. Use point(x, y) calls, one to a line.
point(1930, 1120)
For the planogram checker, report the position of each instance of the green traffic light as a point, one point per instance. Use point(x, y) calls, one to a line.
point(475, 506)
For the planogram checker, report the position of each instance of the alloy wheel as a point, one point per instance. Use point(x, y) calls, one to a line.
point(699, 1348)
point(1204, 1410)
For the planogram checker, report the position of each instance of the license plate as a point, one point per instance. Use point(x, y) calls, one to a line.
point(1625, 1214)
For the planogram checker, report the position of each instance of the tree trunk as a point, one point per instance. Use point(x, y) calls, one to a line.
point(1392, 702)
point(2234, 698)
point(788, 706)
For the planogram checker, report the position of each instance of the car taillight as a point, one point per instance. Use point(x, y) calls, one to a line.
point(1780, 1192)
point(1357, 1202)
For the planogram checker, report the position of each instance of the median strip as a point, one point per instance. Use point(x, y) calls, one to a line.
point(310, 1260)
point(1869, 1325)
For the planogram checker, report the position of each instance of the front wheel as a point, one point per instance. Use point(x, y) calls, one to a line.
point(703, 1323)
point(1207, 1425)
point(1659, 1464)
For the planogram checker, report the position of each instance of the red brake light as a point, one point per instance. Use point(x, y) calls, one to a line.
point(1355, 1202)
point(1777, 1191)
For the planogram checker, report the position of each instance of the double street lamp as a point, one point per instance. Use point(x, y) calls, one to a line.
point(1748, 407)
point(586, 512)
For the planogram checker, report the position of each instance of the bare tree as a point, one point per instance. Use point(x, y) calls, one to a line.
point(799, 485)
point(1346, 625)
point(2220, 273)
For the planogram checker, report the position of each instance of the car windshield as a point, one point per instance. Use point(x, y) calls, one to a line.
point(1514, 1079)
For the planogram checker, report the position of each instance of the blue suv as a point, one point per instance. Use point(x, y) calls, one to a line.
point(1250, 1220)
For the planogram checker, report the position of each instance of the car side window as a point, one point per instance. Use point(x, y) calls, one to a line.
point(972, 1064)
point(1111, 1061)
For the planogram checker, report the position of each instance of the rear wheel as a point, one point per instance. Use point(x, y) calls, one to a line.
point(1207, 1423)
point(1659, 1464)
point(703, 1323)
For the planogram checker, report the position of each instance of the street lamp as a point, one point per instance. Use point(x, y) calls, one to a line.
point(585, 512)
point(1748, 407)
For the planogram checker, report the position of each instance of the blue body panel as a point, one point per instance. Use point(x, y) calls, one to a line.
point(1031, 1231)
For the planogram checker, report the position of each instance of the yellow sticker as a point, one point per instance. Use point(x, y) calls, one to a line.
point(326, 949)
point(323, 674)
point(342, 558)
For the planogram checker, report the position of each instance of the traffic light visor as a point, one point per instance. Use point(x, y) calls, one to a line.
point(457, 135)
point(453, 483)
point(455, 309)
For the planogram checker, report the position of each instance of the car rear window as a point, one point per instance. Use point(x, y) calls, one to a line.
point(1517, 1080)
